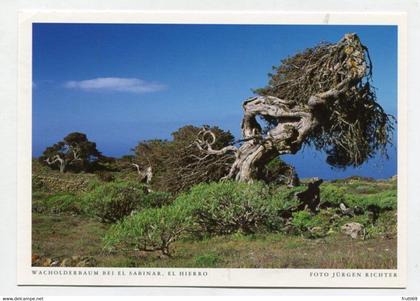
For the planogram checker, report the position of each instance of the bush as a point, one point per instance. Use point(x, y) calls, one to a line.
point(153, 229)
point(227, 207)
point(325, 222)
point(385, 226)
point(114, 200)
point(333, 196)
point(386, 200)
point(305, 223)
point(57, 203)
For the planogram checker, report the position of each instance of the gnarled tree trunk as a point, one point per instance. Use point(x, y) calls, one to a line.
point(294, 124)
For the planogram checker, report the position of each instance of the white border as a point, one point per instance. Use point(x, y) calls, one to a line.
point(216, 277)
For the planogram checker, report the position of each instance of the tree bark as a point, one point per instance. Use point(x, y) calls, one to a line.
point(62, 166)
point(294, 124)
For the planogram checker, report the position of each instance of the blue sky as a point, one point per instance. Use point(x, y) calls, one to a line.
point(120, 84)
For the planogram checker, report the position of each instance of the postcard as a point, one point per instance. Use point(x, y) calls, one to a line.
point(212, 149)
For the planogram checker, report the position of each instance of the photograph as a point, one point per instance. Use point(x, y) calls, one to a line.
point(220, 150)
point(214, 146)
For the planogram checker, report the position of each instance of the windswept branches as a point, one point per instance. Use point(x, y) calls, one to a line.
point(333, 82)
point(206, 139)
point(184, 161)
point(323, 97)
point(324, 68)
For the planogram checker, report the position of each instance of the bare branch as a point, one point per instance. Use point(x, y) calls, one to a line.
point(146, 175)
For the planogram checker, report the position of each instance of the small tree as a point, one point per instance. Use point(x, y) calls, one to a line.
point(178, 164)
point(74, 148)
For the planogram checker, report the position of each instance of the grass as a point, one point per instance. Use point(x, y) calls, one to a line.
point(61, 236)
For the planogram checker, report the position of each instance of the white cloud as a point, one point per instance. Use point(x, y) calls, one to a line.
point(133, 85)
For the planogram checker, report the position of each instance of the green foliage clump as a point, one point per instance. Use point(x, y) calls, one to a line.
point(384, 227)
point(113, 201)
point(57, 203)
point(208, 209)
point(333, 195)
point(153, 229)
point(386, 200)
point(310, 225)
point(228, 207)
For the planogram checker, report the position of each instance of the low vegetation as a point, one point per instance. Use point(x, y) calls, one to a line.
point(119, 222)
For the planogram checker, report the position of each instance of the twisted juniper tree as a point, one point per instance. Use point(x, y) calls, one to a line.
point(321, 97)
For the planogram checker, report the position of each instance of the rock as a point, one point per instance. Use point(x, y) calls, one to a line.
point(315, 230)
point(352, 229)
point(55, 263)
point(345, 210)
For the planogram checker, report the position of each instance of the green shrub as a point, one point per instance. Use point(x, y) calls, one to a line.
point(385, 226)
point(279, 206)
point(302, 220)
point(113, 201)
point(313, 226)
point(227, 207)
point(153, 229)
point(386, 200)
point(57, 203)
point(332, 195)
